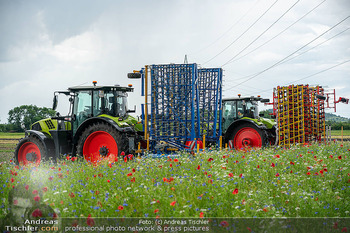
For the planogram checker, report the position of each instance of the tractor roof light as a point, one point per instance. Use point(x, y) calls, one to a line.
point(129, 85)
point(94, 82)
point(239, 95)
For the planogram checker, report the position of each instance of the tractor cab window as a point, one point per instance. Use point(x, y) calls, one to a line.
point(82, 107)
point(119, 104)
point(240, 108)
point(111, 102)
point(229, 113)
point(246, 108)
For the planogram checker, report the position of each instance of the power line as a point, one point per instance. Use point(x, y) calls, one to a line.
point(261, 33)
point(309, 76)
point(241, 34)
point(232, 26)
point(307, 49)
point(279, 33)
point(284, 59)
point(322, 71)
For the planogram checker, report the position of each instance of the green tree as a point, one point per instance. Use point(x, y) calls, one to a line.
point(26, 115)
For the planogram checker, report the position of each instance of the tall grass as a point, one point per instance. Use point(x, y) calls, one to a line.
point(303, 181)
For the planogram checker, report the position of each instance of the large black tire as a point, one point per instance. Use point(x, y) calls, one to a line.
point(30, 150)
point(99, 141)
point(248, 135)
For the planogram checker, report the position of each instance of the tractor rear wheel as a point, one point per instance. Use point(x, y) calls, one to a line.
point(248, 135)
point(29, 150)
point(100, 141)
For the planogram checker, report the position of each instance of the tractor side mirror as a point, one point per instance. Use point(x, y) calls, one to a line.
point(132, 111)
point(134, 75)
point(55, 102)
point(265, 100)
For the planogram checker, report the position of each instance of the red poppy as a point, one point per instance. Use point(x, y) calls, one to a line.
point(176, 160)
point(321, 171)
point(339, 157)
point(129, 174)
point(90, 221)
point(277, 156)
point(171, 165)
point(224, 224)
point(331, 156)
point(273, 165)
point(210, 159)
point(277, 175)
point(308, 173)
point(130, 156)
point(291, 162)
point(173, 203)
point(122, 153)
point(133, 179)
point(44, 189)
point(26, 187)
point(210, 181)
point(156, 210)
point(73, 159)
point(120, 207)
point(258, 166)
point(325, 169)
point(201, 214)
point(265, 210)
point(12, 180)
point(125, 159)
point(240, 176)
point(235, 191)
point(37, 198)
point(230, 175)
point(71, 195)
point(35, 192)
point(68, 158)
point(171, 179)
point(199, 167)
point(108, 181)
point(37, 213)
point(133, 170)
point(97, 192)
point(165, 179)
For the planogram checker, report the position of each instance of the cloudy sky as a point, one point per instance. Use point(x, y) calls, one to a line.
point(260, 44)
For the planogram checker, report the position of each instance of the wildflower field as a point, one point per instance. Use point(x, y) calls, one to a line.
point(302, 181)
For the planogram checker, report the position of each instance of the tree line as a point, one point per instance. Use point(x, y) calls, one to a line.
point(22, 117)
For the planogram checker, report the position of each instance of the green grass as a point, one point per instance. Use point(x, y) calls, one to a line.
point(338, 132)
point(304, 181)
point(11, 135)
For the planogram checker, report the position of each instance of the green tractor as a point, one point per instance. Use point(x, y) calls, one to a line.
point(98, 126)
point(243, 127)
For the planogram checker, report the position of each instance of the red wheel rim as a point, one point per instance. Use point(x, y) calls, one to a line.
point(98, 146)
point(28, 153)
point(247, 137)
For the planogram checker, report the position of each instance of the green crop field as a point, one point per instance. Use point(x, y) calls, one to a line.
point(338, 133)
point(11, 135)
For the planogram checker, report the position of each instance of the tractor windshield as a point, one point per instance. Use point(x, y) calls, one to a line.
point(113, 103)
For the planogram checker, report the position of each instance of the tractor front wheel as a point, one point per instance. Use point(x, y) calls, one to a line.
point(29, 150)
point(248, 135)
point(99, 142)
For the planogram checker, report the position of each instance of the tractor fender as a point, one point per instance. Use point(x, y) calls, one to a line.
point(93, 120)
point(236, 123)
point(45, 139)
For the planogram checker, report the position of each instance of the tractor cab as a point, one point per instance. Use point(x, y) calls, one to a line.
point(241, 107)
